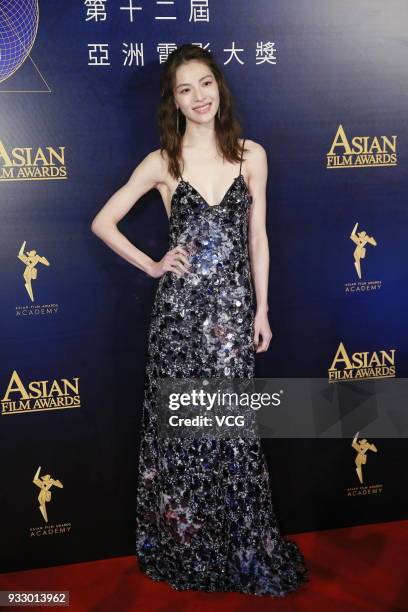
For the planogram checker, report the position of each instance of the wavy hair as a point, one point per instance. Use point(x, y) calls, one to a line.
point(227, 127)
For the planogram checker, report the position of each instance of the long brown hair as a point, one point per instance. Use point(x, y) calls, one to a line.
point(227, 127)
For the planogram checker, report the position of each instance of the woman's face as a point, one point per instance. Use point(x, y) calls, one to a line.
point(196, 92)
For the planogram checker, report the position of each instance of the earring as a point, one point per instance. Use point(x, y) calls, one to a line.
point(177, 120)
point(219, 111)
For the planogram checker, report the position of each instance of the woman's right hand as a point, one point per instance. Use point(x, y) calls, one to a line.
point(175, 260)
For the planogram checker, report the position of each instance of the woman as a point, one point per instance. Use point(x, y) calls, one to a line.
point(204, 514)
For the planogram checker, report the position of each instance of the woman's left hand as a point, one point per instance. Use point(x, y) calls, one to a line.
point(263, 330)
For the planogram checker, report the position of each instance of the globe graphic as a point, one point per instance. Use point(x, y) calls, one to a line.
point(18, 29)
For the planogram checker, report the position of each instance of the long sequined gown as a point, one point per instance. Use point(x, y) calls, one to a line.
point(204, 517)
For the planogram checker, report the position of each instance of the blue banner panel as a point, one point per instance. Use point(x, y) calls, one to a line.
point(323, 87)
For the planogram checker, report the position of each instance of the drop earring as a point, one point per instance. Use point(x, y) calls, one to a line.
point(219, 112)
point(177, 120)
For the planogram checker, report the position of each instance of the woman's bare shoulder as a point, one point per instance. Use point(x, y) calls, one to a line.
point(155, 164)
point(255, 157)
point(254, 147)
point(157, 158)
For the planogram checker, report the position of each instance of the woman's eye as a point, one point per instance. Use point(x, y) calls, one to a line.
point(186, 88)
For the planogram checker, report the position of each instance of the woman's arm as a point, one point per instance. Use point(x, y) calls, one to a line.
point(258, 243)
point(146, 175)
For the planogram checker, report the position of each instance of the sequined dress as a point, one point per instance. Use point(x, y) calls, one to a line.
point(204, 517)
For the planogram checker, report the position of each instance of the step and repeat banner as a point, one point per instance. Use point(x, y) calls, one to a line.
point(323, 87)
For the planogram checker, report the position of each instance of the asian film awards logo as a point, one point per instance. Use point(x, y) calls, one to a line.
point(362, 151)
point(32, 163)
point(361, 365)
point(39, 395)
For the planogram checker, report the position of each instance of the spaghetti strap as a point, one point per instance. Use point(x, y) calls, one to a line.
point(242, 152)
point(180, 175)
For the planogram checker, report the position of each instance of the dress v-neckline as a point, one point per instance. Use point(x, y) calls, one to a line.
point(202, 197)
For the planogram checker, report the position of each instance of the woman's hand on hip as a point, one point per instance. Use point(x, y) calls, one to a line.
point(175, 260)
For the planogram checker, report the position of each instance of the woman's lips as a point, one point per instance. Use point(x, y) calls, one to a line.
point(203, 109)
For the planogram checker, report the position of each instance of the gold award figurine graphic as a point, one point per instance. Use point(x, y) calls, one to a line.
point(45, 483)
point(361, 446)
point(360, 239)
point(30, 259)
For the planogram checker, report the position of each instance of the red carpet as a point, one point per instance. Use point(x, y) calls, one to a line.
point(358, 568)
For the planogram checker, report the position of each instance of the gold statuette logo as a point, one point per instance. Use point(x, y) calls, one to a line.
point(361, 446)
point(30, 259)
point(361, 365)
point(360, 239)
point(364, 151)
point(28, 308)
point(44, 483)
point(45, 528)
